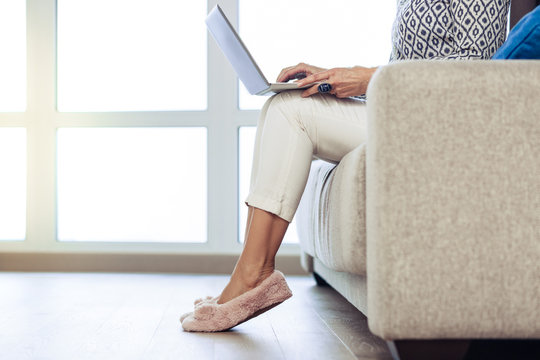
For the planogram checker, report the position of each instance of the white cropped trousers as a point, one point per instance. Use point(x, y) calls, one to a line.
point(291, 131)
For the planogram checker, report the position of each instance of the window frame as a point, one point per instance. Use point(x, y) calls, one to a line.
point(222, 118)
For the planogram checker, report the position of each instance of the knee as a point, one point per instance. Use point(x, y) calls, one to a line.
point(290, 106)
point(281, 102)
point(287, 99)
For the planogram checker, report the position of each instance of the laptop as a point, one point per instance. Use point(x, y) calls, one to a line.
point(238, 55)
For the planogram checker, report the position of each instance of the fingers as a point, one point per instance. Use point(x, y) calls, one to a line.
point(320, 76)
point(285, 74)
point(314, 78)
point(291, 72)
point(315, 90)
point(345, 82)
point(310, 91)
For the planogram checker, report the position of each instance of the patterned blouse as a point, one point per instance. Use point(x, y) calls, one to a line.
point(449, 29)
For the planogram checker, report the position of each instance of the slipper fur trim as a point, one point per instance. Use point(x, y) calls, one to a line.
point(184, 316)
point(211, 316)
point(197, 302)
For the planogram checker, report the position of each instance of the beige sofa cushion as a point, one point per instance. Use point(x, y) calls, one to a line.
point(331, 216)
point(453, 200)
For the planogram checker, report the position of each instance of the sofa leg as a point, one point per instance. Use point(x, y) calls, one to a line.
point(319, 280)
point(428, 349)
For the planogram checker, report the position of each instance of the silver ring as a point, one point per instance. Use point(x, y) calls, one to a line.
point(324, 88)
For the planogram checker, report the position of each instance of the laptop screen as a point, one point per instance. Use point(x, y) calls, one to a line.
point(235, 50)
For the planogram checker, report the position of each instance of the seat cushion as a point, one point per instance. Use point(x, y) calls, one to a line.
point(331, 219)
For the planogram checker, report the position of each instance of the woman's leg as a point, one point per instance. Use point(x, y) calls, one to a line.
point(263, 237)
point(290, 132)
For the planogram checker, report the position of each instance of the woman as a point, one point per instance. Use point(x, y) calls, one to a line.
point(326, 122)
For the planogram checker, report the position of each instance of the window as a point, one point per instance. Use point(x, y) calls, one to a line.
point(123, 128)
point(12, 184)
point(13, 59)
point(125, 55)
point(132, 184)
point(12, 134)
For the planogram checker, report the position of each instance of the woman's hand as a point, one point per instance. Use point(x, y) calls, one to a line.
point(290, 73)
point(345, 82)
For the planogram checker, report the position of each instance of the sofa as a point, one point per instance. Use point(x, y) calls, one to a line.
point(432, 228)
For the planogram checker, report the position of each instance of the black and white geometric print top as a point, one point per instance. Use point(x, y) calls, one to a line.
point(449, 29)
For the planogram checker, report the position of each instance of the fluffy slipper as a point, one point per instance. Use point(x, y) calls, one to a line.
point(208, 298)
point(198, 302)
point(211, 316)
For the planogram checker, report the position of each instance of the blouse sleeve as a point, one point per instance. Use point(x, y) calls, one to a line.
point(478, 28)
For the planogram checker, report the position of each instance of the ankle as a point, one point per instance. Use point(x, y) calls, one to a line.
point(252, 274)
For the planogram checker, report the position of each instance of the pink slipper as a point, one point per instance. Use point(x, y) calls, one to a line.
point(197, 302)
point(211, 316)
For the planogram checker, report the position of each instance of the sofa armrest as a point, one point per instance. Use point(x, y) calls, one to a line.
point(453, 200)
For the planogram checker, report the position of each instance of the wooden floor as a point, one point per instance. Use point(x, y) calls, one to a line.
point(135, 316)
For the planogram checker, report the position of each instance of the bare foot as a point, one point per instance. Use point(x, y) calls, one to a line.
point(243, 279)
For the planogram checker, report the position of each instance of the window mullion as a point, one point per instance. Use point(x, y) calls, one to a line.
point(39, 116)
point(222, 145)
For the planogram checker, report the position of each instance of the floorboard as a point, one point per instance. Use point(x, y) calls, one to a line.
point(135, 316)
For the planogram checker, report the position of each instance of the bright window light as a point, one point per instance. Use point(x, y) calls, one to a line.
point(131, 55)
point(319, 32)
point(132, 184)
point(13, 58)
point(246, 144)
point(12, 183)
